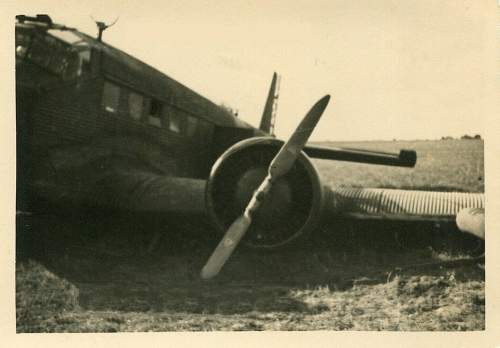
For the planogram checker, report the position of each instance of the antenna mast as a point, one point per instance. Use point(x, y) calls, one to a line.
point(101, 26)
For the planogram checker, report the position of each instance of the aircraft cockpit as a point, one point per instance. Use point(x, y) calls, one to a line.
point(53, 54)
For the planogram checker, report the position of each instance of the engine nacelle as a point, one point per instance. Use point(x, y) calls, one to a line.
point(292, 208)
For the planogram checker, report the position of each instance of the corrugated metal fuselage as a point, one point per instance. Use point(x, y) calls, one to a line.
point(119, 115)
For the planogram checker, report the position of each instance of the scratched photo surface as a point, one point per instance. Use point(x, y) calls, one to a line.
point(253, 167)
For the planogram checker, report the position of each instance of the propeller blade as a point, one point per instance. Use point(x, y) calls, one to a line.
point(280, 165)
point(235, 232)
point(226, 246)
point(290, 151)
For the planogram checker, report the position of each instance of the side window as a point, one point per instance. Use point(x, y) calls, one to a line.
point(192, 123)
point(135, 105)
point(165, 116)
point(154, 115)
point(175, 122)
point(83, 62)
point(110, 97)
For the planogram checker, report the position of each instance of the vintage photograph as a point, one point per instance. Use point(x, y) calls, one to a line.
point(267, 166)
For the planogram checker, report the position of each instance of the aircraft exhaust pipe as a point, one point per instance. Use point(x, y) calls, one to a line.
point(292, 208)
point(132, 191)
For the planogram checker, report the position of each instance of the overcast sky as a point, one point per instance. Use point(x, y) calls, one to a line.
point(395, 69)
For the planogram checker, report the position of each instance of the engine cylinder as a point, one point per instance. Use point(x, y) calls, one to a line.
point(291, 209)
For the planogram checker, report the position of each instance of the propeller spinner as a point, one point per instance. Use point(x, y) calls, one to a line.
point(279, 166)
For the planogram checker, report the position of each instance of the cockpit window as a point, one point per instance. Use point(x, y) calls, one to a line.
point(39, 52)
point(78, 46)
point(68, 36)
point(67, 58)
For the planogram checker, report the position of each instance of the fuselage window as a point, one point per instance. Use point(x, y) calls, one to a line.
point(175, 122)
point(135, 104)
point(192, 123)
point(110, 97)
point(83, 62)
point(154, 116)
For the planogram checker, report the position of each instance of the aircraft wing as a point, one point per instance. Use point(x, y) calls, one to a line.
point(400, 204)
point(467, 209)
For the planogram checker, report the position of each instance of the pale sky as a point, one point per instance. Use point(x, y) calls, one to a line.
point(395, 69)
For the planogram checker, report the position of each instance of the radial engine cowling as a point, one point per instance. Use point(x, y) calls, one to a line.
point(291, 209)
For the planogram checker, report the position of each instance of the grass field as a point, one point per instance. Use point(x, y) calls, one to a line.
point(64, 283)
point(450, 165)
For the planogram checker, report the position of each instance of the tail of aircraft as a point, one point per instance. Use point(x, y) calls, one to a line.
point(269, 113)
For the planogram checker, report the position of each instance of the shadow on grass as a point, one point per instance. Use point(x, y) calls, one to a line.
point(105, 259)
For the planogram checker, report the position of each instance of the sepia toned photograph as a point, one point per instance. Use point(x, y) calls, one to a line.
point(267, 166)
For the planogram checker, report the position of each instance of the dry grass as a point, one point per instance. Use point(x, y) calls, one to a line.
point(333, 282)
point(39, 292)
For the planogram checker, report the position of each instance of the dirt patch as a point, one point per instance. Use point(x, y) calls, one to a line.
point(318, 293)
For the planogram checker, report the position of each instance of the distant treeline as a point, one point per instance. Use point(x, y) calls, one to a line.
point(465, 136)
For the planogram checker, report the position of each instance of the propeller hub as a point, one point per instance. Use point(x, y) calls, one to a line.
point(276, 206)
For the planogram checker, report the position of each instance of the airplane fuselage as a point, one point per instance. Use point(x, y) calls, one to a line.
point(85, 109)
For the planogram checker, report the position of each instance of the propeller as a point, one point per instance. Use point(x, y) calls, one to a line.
point(280, 165)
